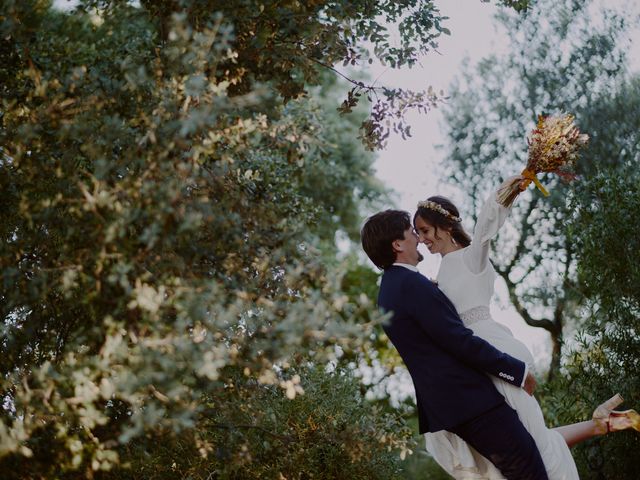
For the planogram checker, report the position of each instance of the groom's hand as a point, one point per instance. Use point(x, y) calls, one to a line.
point(529, 384)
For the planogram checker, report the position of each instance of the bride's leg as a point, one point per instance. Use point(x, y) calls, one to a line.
point(605, 420)
point(578, 432)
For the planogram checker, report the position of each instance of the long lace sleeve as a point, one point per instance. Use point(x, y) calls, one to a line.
point(492, 217)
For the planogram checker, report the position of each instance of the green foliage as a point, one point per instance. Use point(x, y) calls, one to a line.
point(605, 234)
point(562, 58)
point(173, 175)
point(517, 5)
point(421, 465)
point(330, 432)
point(606, 359)
point(290, 44)
point(165, 222)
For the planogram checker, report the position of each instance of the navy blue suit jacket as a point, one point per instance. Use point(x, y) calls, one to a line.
point(447, 363)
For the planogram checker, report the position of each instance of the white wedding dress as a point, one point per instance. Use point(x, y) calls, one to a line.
point(467, 277)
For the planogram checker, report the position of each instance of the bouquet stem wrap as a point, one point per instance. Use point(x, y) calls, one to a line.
point(531, 177)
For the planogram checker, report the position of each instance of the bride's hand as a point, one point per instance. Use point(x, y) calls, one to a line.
point(515, 179)
point(530, 384)
point(523, 182)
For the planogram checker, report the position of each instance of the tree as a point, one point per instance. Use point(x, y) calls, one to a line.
point(605, 360)
point(159, 257)
point(603, 230)
point(560, 59)
point(173, 175)
point(172, 186)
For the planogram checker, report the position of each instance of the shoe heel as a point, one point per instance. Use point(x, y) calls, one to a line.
point(605, 408)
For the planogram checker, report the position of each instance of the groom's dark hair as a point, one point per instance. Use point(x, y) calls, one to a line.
point(380, 231)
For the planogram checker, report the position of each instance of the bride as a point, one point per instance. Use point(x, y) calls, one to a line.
point(466, 276)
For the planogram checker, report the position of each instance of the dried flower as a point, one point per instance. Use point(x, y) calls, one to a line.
point(553, 147)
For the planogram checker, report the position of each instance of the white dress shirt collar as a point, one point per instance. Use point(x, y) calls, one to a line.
point(413, 268)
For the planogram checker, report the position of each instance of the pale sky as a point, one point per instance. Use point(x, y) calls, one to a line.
point(409, 166)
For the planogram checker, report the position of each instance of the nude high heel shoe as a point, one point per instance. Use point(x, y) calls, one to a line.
point(624, 420)
point(602, 414)
point(609, 420)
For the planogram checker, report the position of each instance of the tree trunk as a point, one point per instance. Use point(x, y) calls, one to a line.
point(556, 353)
point(554, 327)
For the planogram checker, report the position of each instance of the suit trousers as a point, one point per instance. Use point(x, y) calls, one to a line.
point(500, 436)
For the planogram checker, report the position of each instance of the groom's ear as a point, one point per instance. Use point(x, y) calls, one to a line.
point(397, 246)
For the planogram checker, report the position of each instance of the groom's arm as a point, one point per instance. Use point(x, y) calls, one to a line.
point(440, 321)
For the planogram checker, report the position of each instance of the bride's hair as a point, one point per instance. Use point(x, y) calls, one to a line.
point(450, 222)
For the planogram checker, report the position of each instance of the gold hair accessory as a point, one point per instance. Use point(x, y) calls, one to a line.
point(436, 207)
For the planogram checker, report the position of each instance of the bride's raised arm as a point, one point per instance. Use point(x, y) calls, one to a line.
point(491, 218)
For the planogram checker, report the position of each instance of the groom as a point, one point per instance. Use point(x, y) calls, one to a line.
point(447, 363)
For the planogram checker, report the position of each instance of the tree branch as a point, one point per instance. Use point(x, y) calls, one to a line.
point(282, 438)
point(545, 323)
point(531, 92)
point(562, 301)
point(526, 228)
point(338, 72)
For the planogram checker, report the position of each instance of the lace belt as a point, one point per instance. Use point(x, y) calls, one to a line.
point(475, 314)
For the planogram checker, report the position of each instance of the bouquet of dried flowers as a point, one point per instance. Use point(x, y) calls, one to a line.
point(553, 147)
